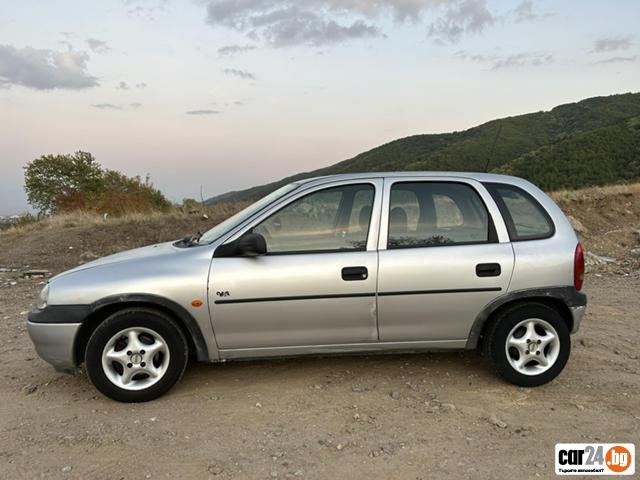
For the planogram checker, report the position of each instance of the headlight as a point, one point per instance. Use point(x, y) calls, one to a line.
point(43, 298)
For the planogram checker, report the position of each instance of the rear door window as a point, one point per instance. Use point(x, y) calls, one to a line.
point(525, 218)
point(429, 214)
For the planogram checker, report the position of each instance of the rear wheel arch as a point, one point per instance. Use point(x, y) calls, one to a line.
point(495, 309)
point(106, 307)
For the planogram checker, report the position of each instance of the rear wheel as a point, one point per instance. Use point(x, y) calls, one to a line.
point(528, 344)
point(136, 355)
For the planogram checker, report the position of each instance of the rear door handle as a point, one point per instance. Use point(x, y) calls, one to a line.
point(488, 270)
point(350, 274)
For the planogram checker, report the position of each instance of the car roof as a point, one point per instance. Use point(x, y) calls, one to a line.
point(478, 176)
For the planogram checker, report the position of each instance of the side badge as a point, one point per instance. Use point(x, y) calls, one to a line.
point(223, 293)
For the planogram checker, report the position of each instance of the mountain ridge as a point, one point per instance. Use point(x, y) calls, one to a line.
point(595, 141)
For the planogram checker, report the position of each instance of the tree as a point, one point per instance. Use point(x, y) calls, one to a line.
point(52, 177)
point(62, 183)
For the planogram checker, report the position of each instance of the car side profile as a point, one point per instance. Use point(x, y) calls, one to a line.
point(374, 262)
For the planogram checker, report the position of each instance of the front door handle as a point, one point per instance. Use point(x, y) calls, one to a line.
point(350, 274)
point(488, 270)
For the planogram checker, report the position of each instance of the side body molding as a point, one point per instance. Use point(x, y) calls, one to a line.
point(568, 297)
point(176, 309)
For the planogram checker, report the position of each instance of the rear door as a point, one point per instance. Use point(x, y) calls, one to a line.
point(317, 283)
point(444, 254)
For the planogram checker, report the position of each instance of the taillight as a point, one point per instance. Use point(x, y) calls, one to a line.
point(578, 267)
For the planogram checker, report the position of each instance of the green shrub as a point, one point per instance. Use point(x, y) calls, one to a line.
point(66, 183)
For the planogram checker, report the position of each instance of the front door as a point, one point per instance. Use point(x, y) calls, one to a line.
point(444, 254)
point(317, 283)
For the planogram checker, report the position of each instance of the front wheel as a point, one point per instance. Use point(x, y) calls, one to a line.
point(528, 344)
point(136, 355)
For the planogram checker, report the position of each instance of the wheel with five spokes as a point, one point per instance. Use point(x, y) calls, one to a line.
point(136, 355)
point(528, 344)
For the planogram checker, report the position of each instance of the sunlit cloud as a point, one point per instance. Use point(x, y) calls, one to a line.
point(43, 69)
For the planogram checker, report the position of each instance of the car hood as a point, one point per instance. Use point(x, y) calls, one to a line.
point(157, 250)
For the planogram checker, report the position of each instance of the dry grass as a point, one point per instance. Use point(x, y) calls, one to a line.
point(595, 192)
point(81, 218)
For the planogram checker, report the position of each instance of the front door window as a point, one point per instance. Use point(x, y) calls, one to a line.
point(334, 219)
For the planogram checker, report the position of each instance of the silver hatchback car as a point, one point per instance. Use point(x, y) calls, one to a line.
point(371, 262)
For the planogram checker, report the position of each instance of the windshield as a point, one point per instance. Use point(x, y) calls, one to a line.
point(232, 222)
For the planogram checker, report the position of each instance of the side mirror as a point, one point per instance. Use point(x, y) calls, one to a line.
point(251, 245)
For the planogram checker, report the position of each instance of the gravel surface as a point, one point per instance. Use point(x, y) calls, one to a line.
point(439, 415)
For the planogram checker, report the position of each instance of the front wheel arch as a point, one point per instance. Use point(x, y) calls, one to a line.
point(106, 307)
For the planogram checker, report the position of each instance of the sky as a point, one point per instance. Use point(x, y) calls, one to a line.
point(227, 94)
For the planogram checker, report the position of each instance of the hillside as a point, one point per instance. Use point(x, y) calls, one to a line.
point(592, 142)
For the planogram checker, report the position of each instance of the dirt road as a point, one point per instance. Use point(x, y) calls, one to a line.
point(438, 415)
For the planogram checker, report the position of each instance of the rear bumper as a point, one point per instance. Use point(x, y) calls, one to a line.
point(577, 313)
point(577, 303)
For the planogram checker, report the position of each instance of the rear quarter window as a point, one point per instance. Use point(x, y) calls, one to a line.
point(525, 218)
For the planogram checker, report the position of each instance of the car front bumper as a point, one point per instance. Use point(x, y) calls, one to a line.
point(54, 342)
point(53, 331)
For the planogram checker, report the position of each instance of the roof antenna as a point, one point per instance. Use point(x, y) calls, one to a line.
point(495, 140)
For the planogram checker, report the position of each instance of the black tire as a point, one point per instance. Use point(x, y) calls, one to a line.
point(495, 339)
point(165, 326)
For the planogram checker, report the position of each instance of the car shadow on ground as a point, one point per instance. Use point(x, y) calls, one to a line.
point(455, 366)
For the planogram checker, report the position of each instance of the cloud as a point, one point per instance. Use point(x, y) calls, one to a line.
point(203, 112)
point(107, 106)
point(45, 69)
point(98, 46)
point(123, 86)
point(145, 9)
point(281, 23)
point(461, 18)
point(524, 12)
point(119, 107)
point(516, 60)
point(244, 74)
point(141, 85)
point(231, 50)
point(610, 44)
point(525, 59)
point(617, 60)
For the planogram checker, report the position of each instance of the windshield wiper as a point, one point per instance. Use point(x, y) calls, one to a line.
point(191, 240)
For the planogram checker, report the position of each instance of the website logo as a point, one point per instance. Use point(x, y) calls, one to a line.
point(595, 459)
